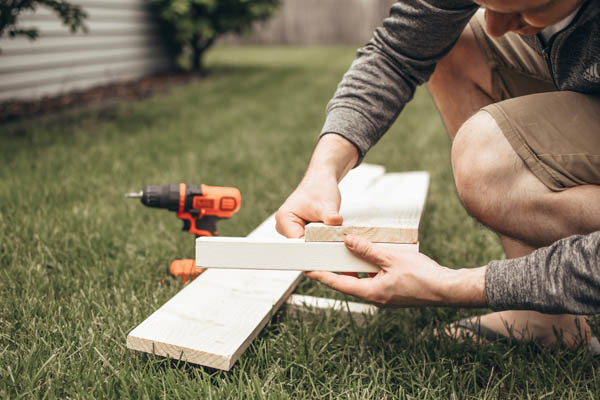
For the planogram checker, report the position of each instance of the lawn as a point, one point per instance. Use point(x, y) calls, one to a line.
point(81, 266)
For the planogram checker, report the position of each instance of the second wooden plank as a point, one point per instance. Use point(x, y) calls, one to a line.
point(282, 254)
point(389, 211)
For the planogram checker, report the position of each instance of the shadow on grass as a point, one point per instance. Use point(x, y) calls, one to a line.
point(163, 365)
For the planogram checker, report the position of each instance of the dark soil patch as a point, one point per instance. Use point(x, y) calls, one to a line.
point(13, 110)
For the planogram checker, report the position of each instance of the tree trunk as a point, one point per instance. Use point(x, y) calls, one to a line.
point(196, 59)
point(199, 46)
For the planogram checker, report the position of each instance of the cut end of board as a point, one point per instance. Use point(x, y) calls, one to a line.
point(147, 345)
point(319, 232)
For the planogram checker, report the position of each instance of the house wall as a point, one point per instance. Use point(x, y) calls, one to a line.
point(122, 43)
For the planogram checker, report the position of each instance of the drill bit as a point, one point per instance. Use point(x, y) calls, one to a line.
point(134, 195)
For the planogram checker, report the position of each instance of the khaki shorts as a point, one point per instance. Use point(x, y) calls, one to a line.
point(556, 133)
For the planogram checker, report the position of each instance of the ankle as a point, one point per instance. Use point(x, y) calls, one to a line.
point(570, 330)
point(547, 329)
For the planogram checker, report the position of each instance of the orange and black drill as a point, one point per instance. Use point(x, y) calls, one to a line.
point(199, 206)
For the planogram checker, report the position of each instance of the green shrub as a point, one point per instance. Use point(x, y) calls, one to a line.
point(192, 26)
point(70, 15)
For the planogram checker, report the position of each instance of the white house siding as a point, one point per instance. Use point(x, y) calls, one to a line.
point(123, 42)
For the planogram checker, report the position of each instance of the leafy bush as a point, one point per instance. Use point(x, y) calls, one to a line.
point(192, 26)
point(70, 15)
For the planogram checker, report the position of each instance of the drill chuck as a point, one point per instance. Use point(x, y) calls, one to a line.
point(161, 197)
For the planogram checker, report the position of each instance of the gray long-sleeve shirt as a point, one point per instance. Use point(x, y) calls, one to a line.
point(403, 52)
point(401, 55)
point(561, 278)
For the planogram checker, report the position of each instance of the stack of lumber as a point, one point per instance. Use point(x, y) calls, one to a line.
point(213, 320)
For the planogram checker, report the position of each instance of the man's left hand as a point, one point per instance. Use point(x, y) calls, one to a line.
point(406, 279)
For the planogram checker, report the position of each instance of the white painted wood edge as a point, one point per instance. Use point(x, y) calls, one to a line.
point(304, 303)
point(282, 254)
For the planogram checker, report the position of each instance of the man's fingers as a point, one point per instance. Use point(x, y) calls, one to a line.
point(289, 224)
point(333, 219)
point(366, 250)
point(343, 283)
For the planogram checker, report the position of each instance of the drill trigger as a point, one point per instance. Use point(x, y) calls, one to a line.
point(207, 224)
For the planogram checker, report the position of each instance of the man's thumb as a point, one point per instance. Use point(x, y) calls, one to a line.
point(330, 215)
point(289, 225)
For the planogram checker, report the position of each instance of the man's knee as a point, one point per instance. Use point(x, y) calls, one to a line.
point(479, 164)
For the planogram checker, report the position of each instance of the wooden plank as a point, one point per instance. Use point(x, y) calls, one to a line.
point(282, 254)
point(214, 319)
point(359, 311)
point(389, 212)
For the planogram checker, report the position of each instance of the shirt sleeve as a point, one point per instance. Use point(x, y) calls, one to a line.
point(561, 278)
point(401, 55)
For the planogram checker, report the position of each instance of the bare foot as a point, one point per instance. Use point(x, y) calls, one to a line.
point(547, 329)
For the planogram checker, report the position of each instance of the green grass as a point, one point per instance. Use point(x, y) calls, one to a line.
point(81, 266)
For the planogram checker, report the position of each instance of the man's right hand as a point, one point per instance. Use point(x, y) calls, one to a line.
point(317, 197)
point(313, 200)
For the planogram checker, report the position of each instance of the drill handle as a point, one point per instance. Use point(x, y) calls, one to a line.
point(208, 223)
point(201, 226)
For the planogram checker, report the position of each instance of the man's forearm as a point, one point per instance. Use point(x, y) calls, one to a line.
point(561, 278)
point(333, 155)
point(463, 288)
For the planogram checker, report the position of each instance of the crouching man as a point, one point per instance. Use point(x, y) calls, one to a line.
point(517, 84)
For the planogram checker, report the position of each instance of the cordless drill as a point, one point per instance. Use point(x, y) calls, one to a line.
point(200, 207)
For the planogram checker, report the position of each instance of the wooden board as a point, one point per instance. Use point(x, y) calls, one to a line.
point(389, 212)
point(283, 254)
point(298, 303)
point(214, 319)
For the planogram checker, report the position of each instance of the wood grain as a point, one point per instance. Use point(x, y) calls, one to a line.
point(389, 211)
